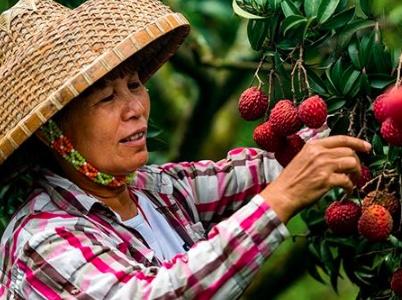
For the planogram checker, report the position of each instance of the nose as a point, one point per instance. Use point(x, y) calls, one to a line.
point(133, 105)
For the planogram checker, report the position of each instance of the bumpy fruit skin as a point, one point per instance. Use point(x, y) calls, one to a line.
point(396, 282)
point(391, 132)
point(385, 199)
point(379, 108)
point(266, 137)
point(290, 148)
point(313, 112)
point(375, 223)
point(393, 104)
point(284, 118)
point(342, 217)
point(253, 104)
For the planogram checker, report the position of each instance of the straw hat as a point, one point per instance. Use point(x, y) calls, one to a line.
point(49, 54)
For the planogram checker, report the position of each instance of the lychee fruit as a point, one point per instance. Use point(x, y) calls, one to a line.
point(379, 108)
point(365, 176)
point(375, 223)
point(253, 104)
point(313, 112)
point(391, 132)
point(292, 145)
point(396, 282)
point(385, 199)
point(284, 118)
point(267, 138)
point(393, 104)
point(342, 217)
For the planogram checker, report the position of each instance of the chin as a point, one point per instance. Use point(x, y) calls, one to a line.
point(139, 160)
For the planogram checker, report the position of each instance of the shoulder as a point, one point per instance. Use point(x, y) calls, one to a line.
point(38, 215)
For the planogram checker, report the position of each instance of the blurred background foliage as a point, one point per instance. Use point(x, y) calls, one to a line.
point(194, 112)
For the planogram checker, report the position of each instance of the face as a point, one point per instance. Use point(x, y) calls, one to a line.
point(108, 126)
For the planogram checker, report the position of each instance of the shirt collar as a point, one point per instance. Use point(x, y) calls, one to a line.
point(85, 199)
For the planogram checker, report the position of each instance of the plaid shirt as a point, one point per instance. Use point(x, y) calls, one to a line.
point(65, 244)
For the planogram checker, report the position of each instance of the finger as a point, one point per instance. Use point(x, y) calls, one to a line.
point(350, 164)
point(341, 152)
point(344, 141)
point(341, 180)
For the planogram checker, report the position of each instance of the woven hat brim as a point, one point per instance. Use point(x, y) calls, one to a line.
point(169, 30)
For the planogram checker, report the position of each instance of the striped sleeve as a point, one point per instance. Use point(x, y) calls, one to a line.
point(83, 263)
point(220, 188)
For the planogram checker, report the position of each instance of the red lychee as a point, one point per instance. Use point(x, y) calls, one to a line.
point(385, 199)
point(375, 223)
point(379, 108)
point(365, 176)
point(313, 112)
point(393, 104)
point(391, 132)
point(253, 104)
point(284, 119)
point(290, 148)
point(266, 137)
point(396, 282)
point(342, 217)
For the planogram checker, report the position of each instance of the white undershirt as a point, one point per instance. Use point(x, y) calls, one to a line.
point(158, 234)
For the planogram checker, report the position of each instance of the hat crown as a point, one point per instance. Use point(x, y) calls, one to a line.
point(20, 24)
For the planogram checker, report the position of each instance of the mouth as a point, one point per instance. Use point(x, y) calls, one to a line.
point(136, 136)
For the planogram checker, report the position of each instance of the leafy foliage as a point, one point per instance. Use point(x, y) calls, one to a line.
point(340, 50)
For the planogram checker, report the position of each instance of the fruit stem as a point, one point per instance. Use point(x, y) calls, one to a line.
point(270, 81)
point(260, 82)
point(398, 78)
point(301, 70)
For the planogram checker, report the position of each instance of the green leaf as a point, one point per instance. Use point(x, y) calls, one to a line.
point(380, 81)
point(311, 7)
point(313, 272)
point(377, 145)
point(289, 9)
point(335, 103)
point(242, 13)
point(326, 9)
point(381, 58)
point(351, 29)
point(365, 6)
point(349, 78)
point(316, 83)
point(275, 4)
point(335, 273)
point(339, 20)
point(257, 31)
point(353, 51)
point(336, 74)
point(292, 22)
point(366, 48)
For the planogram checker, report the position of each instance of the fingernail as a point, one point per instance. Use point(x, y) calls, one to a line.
point(367, 145)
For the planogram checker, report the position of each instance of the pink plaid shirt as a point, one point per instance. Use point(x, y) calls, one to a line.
point(65, 244)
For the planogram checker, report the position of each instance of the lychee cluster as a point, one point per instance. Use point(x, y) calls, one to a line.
point(373, 220)
point(387, 110)
point(278, 133)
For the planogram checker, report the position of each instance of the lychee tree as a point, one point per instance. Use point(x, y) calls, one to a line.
point(337, 60)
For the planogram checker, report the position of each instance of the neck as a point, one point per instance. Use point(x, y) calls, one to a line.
point(116, 198)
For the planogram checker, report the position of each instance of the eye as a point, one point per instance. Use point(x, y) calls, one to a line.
point(134, 85)
point(107, 99)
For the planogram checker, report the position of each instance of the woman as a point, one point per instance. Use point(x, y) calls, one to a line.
point(101, 224)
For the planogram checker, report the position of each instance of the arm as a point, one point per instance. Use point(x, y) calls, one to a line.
point(219, 188)
point(83, 262)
